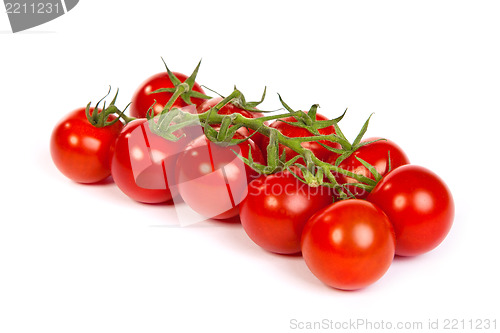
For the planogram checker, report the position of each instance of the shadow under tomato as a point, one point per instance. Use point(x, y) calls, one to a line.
point(169, 203)
point(231, 220)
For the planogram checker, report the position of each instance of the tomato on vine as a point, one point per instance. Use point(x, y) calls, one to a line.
point(276, 209)
point(419, 205)
point(384, 155)
point(143, 163)
point(82, 150)
point(349, 244)
point(144, 98)
point(210, 177)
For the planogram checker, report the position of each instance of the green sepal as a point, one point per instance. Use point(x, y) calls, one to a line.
point(333, 150)
point(295, 175)
point(312, 113)
point(370, 168)
point(362, 132)
point(262, 169)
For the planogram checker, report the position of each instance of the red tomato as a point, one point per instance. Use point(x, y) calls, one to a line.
point(349, 244)
point(276, 209)
point(81, 151)
point(419, 205)
point(212, 180)
point(230, 108)
point(376, 154)
point(143, 99)
point(144, 162)
point(297, 132)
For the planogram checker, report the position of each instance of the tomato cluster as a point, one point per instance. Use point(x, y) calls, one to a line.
point(348, 209)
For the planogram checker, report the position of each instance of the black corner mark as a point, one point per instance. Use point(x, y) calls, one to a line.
point(26, 14)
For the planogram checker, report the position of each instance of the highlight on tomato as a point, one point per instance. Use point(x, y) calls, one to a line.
point(349, 244)
point(419, 205)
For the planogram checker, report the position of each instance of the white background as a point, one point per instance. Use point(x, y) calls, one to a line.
point(77, 258)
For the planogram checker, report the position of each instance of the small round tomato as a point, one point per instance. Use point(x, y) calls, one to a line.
point(276, 209)
point(419, 205)
point(211, 179)
point(297, 132)
point(376, 154)
point(349, 244)
point(144, 163)
point(81, 151)
point(142, 99)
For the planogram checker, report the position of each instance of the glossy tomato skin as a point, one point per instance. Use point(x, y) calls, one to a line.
point(81, 151)
point(230, 108)
point(142, 99)
point(144, 163)
point(377, 154)
point(276, 209)
point(212, 180)
point(348, 245)
point(296, 132)
point(419, 205)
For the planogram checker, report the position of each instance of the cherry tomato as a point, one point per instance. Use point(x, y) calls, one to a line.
point(297, 132)
point(144, 163)
point(81, 151)
point(230, 108)
point(419, 205)
point(143, 99)
point(377, 154)
point(212, 180)
point(276, 209)
point(349, 244)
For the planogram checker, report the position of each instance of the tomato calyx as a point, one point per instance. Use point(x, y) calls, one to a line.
point(249, 106)
point(99, 118)
point(184, 90)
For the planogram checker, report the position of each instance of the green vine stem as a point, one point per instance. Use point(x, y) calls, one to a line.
point(314, 173)
point(184, 119)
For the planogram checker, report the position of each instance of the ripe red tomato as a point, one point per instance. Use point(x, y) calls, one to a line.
point(212, 180)
point(143, 99)
point(297, 132)
point(419, 205)
point(230, 108)
point(276, 209)
point(376, 154)
point(81, 151)
point(349, 244)
point(144, 163)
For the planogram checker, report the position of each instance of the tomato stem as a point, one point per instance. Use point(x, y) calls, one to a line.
point(276, 137)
